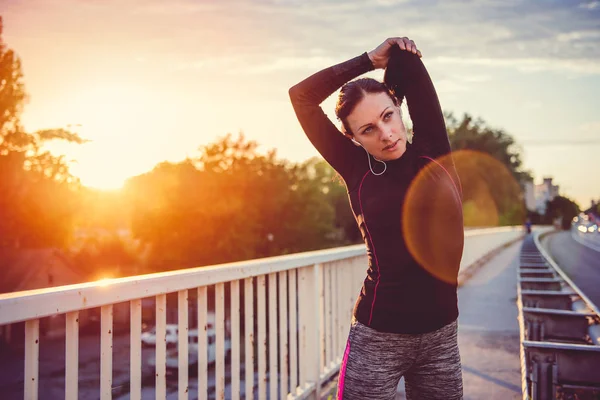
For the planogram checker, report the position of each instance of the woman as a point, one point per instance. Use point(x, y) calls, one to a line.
point(406, 199)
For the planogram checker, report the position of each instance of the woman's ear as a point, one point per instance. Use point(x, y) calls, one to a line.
point(353, 140)
point(349, 136)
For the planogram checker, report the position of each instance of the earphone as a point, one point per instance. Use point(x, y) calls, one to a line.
point(369, 158)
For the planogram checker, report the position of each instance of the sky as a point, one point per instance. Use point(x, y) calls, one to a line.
point(147, 81)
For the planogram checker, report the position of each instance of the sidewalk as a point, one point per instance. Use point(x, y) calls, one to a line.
point(489, 331)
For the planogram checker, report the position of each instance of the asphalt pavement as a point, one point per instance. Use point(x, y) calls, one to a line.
point(581, 263)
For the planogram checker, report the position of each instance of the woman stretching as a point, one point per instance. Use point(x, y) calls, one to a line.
point(406, 199)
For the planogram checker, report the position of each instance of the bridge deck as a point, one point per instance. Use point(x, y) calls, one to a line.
point(489, 330)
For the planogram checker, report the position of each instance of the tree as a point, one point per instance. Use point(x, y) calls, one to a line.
point(489, 165)
point(469, 134)
point(335, 193)
point(231, 203)
point(563, 208)
point(37, 192)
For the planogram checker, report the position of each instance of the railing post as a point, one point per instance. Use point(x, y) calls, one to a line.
point(106, 349)
point(261, 310)
point(220, 340)
point(72, 356)
point(319, 300)
point(293, 300)
point(135, 363)
point(310, 332)
point(32, 353)
point(324, 320)
point(283, 338)
point(182, 337)
point(160, 347)
point(202, 340)
point(249, 337)
point(272, 316)
point(234, 293)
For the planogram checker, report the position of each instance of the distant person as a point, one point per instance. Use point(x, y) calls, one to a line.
point(407, 202)
point(528, 225)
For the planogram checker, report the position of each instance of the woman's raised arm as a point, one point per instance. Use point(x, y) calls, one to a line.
point(306, 98)
point(407, 77)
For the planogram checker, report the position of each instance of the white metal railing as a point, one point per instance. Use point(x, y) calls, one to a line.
point(287, 339)
point(310, 298)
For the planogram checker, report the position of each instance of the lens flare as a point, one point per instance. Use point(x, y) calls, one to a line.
point(438, 205)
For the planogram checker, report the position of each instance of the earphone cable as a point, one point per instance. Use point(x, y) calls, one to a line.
point(371, 167)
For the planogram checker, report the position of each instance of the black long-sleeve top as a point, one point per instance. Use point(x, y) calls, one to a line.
point(410, 217)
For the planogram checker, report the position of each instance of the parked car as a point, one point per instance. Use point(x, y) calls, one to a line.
point(149, 337)
point(172, 356)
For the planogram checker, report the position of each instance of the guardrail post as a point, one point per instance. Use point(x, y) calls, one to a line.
point(542, 383)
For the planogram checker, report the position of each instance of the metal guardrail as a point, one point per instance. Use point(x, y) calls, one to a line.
point(559, 325)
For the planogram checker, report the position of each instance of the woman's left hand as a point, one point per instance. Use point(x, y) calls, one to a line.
point(380, 55)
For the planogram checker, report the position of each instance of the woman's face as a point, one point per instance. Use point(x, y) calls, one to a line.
point(377, 125)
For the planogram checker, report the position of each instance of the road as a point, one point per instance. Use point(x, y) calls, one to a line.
point(52, 368)
point(581, 263)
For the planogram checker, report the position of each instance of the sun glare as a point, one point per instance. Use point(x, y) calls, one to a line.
point(110, 117)
point(104, 281)
point(95, 178)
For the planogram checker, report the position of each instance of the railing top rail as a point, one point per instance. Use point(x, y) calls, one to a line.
point(22, 306)
point(560, 346)
point(553, 311)
point(540, 280)
point(558, 293)
point(487, 231)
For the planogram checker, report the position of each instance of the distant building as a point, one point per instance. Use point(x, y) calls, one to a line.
point(530, 196)
point(537, 196)
point(592, 211)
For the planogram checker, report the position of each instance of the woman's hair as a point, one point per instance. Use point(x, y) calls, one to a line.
point(352, 93)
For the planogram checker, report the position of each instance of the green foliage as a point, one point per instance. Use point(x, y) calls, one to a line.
point(469, 134)
point(37, 192)
point(229, 203)
point(563, 208)
point(232, 203)
point(493, 193)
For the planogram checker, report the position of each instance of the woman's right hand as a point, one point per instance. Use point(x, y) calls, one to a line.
point(381, 54)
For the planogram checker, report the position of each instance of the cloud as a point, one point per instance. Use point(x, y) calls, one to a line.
point(592, 5)
point(527, 65)
point(476, 78)
point(575, 36)
point(590, 127)
point(532, 105)
point(448, 86)
point(524, 35)
point(290, 63)
point(291, 34)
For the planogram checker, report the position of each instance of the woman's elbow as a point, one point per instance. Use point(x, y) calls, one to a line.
point(295, 94)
